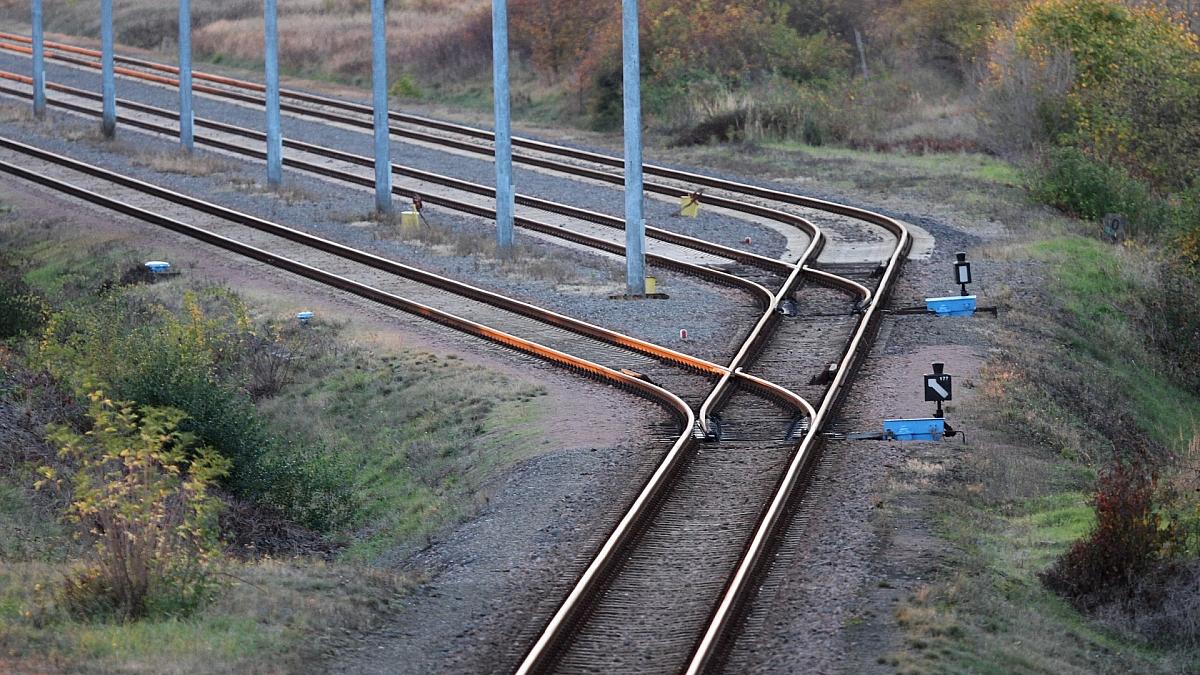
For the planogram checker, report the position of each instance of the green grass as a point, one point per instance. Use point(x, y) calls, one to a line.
point(173, 641)
point(993, 615)
point(961, 164)
point(1019, 507)
point(1100, 286)
point(422, 433)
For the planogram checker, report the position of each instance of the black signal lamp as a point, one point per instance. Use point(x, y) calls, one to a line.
point(962, 271)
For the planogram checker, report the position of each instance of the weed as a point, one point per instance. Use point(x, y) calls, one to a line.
point(185, 163)
point(1074, 182)
point(141, 490)
point(22, 310)
point(1130, 537)
point(288, 193)
point(196, 360)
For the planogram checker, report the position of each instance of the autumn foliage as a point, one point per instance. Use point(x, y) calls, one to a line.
point(1129, 539)
point(1137, 79)
point(684, 46)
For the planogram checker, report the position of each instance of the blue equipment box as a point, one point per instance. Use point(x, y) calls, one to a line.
point(955, 305)
point(921, 429)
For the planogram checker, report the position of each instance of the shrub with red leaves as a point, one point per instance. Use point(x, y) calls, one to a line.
point(1128, 540)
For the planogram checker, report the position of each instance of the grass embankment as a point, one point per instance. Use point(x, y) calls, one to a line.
point(408, 441)
point(1088, 381)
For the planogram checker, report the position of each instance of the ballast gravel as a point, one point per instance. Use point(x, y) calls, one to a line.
point(714, 317)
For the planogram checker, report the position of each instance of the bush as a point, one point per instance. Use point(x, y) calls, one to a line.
point(22, 310)
point(1021, 100)
point(205, 363)
point(948, 33)
point(1129, 539)
point(687, 53)
point(1171, 316)
point(1070, 180)
point(141, 489)
point(1137, 77)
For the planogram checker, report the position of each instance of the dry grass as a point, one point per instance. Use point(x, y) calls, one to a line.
point(288, 193)
point(527, 261)
point(184, 163)
point(273, 616)
point(330, 38)
point(333, 37)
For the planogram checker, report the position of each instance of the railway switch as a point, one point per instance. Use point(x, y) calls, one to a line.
point(963, 304)
point(954, 305)
point(825, 376)
point(939, 387)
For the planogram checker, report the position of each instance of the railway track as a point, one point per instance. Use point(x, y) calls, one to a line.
point(575, 162)
point(666, 590)
point(332, 164)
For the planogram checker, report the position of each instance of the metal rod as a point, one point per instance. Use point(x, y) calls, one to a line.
point(635, 223)
point(500, 93)
point(379, 87)
point(108, 121)
point(271, 61)
point(39, 62)
point(185, 74)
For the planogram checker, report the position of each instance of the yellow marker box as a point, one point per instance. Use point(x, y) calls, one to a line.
point(651, 285)
point(689, 206)
point(410, 221)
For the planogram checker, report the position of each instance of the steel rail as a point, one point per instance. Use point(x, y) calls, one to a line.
point(611, 337)
point(746, 257)
point(575, 605)
point(383, 264)
point(668, 400)
point(760, 294)
point(541, 655)
point(717, 634)
point(611, 161)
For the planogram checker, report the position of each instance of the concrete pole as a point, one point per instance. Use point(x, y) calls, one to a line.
point(379, 86)
point(39, 63)
point(500, 94)
point(271, 59)
point(635, 223)
point(108, 90)
point(185, 74)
